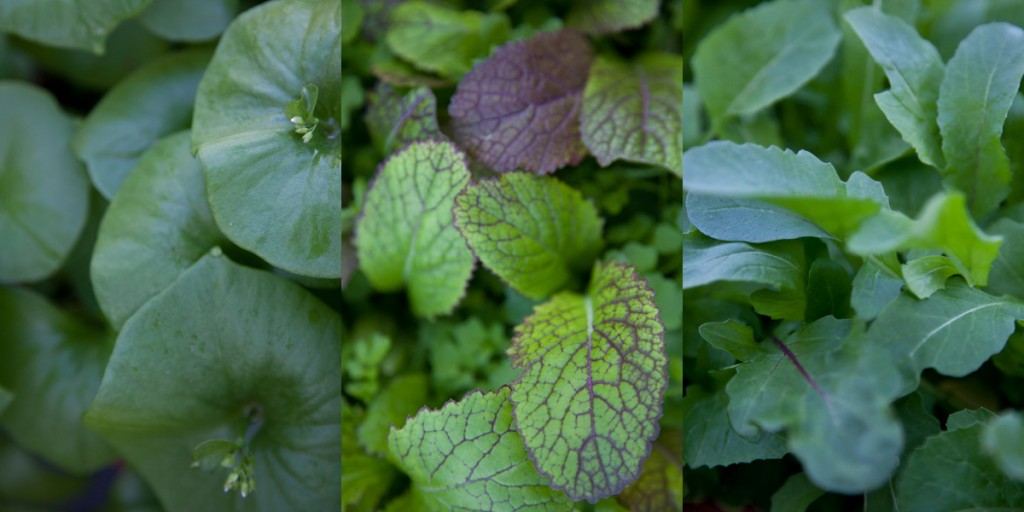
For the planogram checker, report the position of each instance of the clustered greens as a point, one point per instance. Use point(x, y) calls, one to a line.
point(512, 249)
point(853, 254)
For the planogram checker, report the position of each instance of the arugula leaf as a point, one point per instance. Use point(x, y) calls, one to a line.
point(796, 494)
point(712, 441)
point(405, 236)
point(875, 286)
point(746, 220)
point(1007, 274)
point(532, 231)
point(1003, 440)
point(588, 411)
point(928, 274)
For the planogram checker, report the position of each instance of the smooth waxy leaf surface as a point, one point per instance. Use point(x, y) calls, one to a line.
point(950, 472)
point(762, 55)
point(466, 456)
point(944, 224)
point(52, 363)
point(915, 71)
point(273, 191)
point(1003, 440)
point(154, 101)
point(44, 192)
point(633, 111)
point(981, 80)
point(747, 220)
point(400, 399)
point(711, 440)
point(220, 341)
point(798, 182)
point(441, 39)
point(396, 119)
point(406, 238)
point(520, 107)
point(610, 16)
point(954, 331)
point(927, 275)
point(152, 231)
point(80, 24)
point(532, 231)
point(831, 395)
point(188, 20)
point(590, 395)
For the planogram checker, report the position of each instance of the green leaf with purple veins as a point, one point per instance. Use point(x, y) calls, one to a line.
point(396, 118)
point(406, 238)
point(466, 456)
point(660, 485)
point(590, 394)
point(632, 111)
point(610, 16)
point(532, 231)
point(520, 107)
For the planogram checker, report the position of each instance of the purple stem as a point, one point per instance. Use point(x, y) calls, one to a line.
point(792, 358)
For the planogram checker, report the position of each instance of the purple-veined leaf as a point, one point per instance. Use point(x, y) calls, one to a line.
point(396, 118)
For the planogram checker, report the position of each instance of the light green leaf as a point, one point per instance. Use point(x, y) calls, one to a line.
point(944, 224)
point(746, 220)
point(153, 230)
point(798, 182)
point(660, 485)
point(1003, 440)
point(225, 351)
point(914, 69)
point(795, 495)
point(762, 55)
point(44, 193)
point(633, 111)
point(532, 231)
point(189, 20)
point(981, 81)
point(52, 362)
point(82, 24)
point(593, 373)
point(950, 472)
point(874, 287)
point(1007, 274)
point(779, 266)
point(154, 101)
point(406, 237)
point(711, 440)
point(954, 331)
point(928, 274)
point(830, 392)
point(402, 398)
point(395, 119)
point(273, 191)
point(610, 16)
point(442, 39)
point(467, 456)
point(732, 337)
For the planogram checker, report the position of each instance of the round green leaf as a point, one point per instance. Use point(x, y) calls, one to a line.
point(52, 363)
point(189, 20)
point(273, 190)
point(222, 341)
point(156, 227)
point(594, 373)
point(82, 24)
point(44, 193)
point(152, 102)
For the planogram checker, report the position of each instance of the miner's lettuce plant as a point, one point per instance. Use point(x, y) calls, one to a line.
point(850, 271)
point(512, 289)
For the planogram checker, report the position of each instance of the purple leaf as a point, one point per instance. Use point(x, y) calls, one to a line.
point(520, 107)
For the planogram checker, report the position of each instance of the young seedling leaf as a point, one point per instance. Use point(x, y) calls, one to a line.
point(81, 24)
point(153, 231)
point(633, 111)
point(763, 55)
point(520, 107)
point(467, 456)
point(223, 349)
point(915, 71)
point(532, 231)
point(831, 394)
point(153, 102)
point(594, 371)
point(944, 224)
point(610, 16)
point(981, 80)
point(397, 118)
point(273, 190)
point(798, 182)
point(44, 191)
point(406, 238)
point(52, 363)
point(444, 40)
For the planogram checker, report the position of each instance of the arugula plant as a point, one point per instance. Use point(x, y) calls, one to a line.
point(851, 267)
point(512, 256)
point(170, 185)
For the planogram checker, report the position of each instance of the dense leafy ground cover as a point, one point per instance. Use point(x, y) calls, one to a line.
point(853, 259)
point(512, 298)
point(170, 189)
